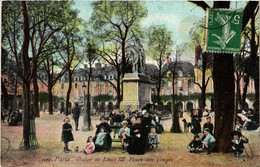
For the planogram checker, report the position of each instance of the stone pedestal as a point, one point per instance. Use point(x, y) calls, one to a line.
point(136, 91)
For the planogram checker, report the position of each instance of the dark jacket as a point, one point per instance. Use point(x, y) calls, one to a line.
point(76, 111)
point(66, 135)
point(240, 145)
point(137, 143)
point(209, 126)
point(196, 144)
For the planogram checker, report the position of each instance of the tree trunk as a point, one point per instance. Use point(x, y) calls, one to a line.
point(87, 120)
point(50, 100)
point(68, 93)
point(175, 112)
point(159, 91)
point(255, 62)
point(246, 80)
point(118, 92)
point(29, 134)
point(36, 95)
point(29, 131)
point(203, 88)
point(223, 78)
point(5, 95)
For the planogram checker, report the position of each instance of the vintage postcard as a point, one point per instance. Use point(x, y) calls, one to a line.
point(130, 83)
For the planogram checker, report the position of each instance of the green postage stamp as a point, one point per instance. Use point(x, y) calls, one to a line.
point(223, 30)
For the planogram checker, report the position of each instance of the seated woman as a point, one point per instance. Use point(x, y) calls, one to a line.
point(102, 139)
point(124, 134)
point(137, 143)
point(157, 122)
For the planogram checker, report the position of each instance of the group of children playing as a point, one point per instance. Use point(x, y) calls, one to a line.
point(198, 144)
point(93, 145)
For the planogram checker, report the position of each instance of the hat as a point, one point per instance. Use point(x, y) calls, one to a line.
point(233, 133)
point(206, 130)
point(196, 136)
point(146, 113)
point(102, 118)
point(124, 122)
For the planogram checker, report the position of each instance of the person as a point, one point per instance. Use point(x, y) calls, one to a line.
point(105, 131)
point(117, 119)
point(196, 145)
point(124, 134)
point(133, 118)
point(127, 118)
point(153, 139)
point(15, 118)
point(237, 144)
point(67, 135)
point(90, 147)
point(2, 116)
point(76, 115)
point(137, 142)
point(208, 125)
point(147, 107)
point(195, 121)
point(157, 122)
point(209, 140)
point(128, 110)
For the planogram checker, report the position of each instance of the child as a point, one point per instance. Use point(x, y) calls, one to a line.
point(67, 134)
point(208, 125)
point(196, 145)
point(209, 140)
point(124, 134)
point(99, 143)
point(90, 147)
point(237, 145)
point(153, 139)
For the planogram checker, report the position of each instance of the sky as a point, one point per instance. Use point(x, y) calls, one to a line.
point(178, 17)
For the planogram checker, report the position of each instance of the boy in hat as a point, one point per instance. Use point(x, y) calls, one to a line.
point(196, 145)
point(124, 134)
point(237, 144)
point(209, 140)
point(208, 125)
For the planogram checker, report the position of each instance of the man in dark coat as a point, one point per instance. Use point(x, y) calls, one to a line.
point(107, 143)
point(76, 115)
point(137, 143)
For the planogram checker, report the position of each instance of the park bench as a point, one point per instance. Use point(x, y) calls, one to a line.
point(117, 140)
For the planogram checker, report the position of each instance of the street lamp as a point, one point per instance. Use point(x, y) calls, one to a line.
point(87, 121)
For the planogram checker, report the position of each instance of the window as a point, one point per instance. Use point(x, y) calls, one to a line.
point(82, 78)
point(76, 85)
point(180, 73)
point(179, 84)
point(62, 86)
